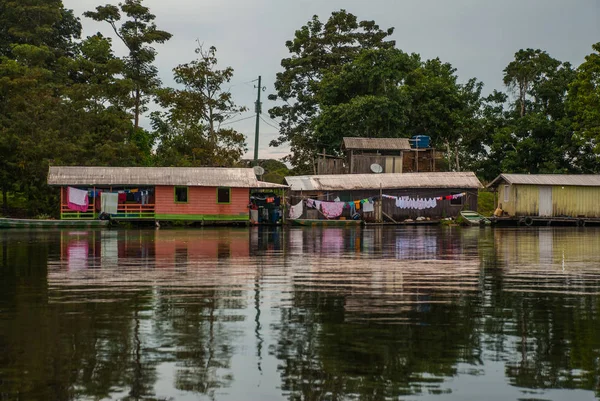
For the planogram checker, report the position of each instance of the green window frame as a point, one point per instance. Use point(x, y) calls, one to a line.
point(178, 194)
point(222, 194)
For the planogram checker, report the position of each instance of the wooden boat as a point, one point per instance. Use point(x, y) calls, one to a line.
point(325, 223)
point(31, 223)
point(474, 219)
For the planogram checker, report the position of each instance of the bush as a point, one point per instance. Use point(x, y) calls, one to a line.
point(485, 203)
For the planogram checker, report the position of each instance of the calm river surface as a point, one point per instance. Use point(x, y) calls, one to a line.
point(300, 314)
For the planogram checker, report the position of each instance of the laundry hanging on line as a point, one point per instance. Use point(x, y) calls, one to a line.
point(77, 199)
point(296, 210)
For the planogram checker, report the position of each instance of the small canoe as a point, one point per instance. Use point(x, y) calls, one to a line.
point(474, 219)
point(325, 223)
point(32, 223)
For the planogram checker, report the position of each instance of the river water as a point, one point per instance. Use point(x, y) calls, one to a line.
point(300, 314)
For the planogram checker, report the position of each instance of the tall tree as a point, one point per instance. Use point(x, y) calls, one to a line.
point(536, 136)
point(138, 33)
point(98, 108)
point(191, 132)
point(584, 104)
point(36, 40)
point(363, 98)
point(527, 69)
point(316, 49)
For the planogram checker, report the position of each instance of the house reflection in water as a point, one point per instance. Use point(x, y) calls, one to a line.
point(160, 248)
point(545, 248)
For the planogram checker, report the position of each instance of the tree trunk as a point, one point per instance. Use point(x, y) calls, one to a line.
point(449, 156)
point(137, 108)
point(457, 159)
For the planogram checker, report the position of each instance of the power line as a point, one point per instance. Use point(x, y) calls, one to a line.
point(269, 124)
point(237, 121)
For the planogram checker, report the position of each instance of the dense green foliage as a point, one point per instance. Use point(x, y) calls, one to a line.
point(190, 132)
point(67, 100)
point(344, 78)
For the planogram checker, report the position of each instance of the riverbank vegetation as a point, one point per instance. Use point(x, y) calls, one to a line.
point(70, 100)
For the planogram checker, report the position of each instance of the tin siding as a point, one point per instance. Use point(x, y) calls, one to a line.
point(507, 206)
point(576, 201)
point(527, 199)
point(202, 201)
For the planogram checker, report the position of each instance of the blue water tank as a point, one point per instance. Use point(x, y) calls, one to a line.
point(420, 141)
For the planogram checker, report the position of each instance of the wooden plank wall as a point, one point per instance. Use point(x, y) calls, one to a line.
point(443, 209)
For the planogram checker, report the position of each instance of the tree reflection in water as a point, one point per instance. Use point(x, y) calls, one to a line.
point(330, 314)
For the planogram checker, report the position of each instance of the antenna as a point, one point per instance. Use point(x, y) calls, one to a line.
point(376, 168)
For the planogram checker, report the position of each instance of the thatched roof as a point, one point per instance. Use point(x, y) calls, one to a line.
point(137, 176)
point(354, 182)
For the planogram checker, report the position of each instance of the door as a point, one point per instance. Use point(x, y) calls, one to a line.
point(545, 201)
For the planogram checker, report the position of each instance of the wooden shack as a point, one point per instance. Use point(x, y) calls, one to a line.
point(353, 187)
point(394, 155)
point(548, 195)
point(204, 194)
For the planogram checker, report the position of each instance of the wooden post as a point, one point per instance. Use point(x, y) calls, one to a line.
point(379, 216)
point(61, 201)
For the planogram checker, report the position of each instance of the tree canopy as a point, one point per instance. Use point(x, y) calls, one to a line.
point(70, 100)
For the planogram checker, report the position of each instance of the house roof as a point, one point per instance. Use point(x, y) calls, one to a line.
point(584, 180)
point(133, 176)
point(376, 143)
point(354, 182)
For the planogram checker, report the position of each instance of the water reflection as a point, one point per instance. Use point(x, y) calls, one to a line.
point(298, 314)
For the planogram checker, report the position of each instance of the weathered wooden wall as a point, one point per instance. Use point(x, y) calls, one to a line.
point(331, 165)
point(443, 209)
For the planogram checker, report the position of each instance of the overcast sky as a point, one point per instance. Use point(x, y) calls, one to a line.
point(478, 37)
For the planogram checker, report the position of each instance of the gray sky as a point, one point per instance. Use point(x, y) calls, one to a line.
point(478, 37)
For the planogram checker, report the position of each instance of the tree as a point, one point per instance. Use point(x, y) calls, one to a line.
point(388, 93)
point(138, 33)
point(98, 107)
point(363, 98)
point(584, 104)
point(317, 49)
point(191, 132)
point(36, 40)
point(536, 136)
point(528, 68)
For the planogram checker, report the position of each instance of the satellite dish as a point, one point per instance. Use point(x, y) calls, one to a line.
point(258, 170)
point(376, 168)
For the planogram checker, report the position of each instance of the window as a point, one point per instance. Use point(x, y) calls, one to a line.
point(223, 195)
point(457, 201)
point(181, 194)
point(506, 193)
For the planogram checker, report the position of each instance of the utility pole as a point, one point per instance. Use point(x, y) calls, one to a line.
point(258, 111)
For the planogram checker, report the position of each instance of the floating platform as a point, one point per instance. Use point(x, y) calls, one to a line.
point(32, 223)
point(528, 221)
point(324, 223)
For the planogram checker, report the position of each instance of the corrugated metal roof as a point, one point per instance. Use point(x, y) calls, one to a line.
point(584, 180)
point(270, 185)
point(377, 143)
point(132, 176)
point(354, 182)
